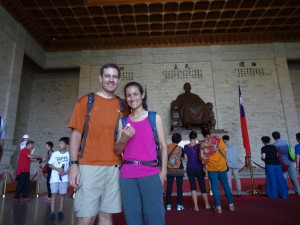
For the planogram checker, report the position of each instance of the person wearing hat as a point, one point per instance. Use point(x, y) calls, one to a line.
point(24, 141)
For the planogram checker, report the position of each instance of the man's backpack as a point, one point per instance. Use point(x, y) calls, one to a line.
point(152, 120)
point(90, 103)
point(291, 153)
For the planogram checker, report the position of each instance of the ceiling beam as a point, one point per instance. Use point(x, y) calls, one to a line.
point(128, 2)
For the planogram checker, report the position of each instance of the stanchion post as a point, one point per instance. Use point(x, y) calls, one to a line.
point(37, 188)
point(252, 190)
point(5, 182)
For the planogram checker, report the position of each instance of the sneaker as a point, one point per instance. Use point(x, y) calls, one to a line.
point(60, 215)
point(168, 207)
point(180, 207)
point(52, 216)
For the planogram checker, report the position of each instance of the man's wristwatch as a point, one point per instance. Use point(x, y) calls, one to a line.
point(73, 162)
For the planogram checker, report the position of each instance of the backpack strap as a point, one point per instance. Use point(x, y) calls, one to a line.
point(122, 109)
point(122, 104)
point(169, 155)
point(90, 104)
point(124, 119)
point(152, 120)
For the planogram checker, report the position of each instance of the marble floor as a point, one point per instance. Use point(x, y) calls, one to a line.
point(34, 212)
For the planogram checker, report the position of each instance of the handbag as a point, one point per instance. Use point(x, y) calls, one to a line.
point(284, 166)
point(224, 158)
point(45, 169)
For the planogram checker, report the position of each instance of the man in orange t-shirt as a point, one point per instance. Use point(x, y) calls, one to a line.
point(95, 174)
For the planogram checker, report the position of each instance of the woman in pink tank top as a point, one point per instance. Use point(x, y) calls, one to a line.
point(141, 178)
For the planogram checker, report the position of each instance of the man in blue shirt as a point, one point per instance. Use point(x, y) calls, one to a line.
point(232, 163)
point(283, 147)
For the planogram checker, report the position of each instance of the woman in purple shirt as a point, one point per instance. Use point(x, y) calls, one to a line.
point(141, 178)
point(194, 170)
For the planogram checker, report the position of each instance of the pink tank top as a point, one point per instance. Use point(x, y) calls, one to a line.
point(141, 147)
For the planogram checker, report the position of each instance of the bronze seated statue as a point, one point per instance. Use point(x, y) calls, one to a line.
point(189, 110)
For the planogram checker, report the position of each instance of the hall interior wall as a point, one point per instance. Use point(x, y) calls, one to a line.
point(269, 100)
point(294, 70)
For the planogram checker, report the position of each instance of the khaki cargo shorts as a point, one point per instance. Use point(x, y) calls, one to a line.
point(99, 191)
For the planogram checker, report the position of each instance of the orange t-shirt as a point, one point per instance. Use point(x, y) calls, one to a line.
point(99, 146)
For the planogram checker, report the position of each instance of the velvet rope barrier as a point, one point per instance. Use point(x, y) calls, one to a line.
point(240, 170)
point(13, 181)
point(10, 177)
point(2, 175)
point(33, 176)
point(258, 165)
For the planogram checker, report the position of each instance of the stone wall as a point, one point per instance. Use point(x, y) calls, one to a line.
point(295, 81)
point(261, 70)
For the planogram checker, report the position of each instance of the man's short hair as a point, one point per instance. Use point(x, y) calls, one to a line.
point(29, 142)
point(50, 144)
point(110, 65)
point(298, 136)
point(225, 138)
point(276, 135)
point(266, 139)
point(176, 138)
point(65, 140)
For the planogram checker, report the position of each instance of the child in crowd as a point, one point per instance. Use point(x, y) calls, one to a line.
point(49, 149)
point(175, 169)
point(59, 163)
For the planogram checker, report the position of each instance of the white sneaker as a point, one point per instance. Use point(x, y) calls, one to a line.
point(168, 207)
point(180, 207)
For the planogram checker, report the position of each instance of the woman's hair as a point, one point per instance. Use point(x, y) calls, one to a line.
point(193, 134)
point(144, 100)
point(176, 138)
point(266, 139)
point(225, 138)
point(205, 131)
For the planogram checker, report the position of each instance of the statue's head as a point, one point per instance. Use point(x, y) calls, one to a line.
point(187, 87)
point(209, 105)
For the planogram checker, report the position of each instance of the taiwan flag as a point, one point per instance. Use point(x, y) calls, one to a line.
point(244, 126)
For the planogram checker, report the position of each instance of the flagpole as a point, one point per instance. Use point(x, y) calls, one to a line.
point(252, 190)
point(246, 142)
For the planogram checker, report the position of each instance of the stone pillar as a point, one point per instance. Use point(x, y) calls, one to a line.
point(14, 52)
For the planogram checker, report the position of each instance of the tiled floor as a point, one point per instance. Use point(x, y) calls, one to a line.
point(34, 212)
